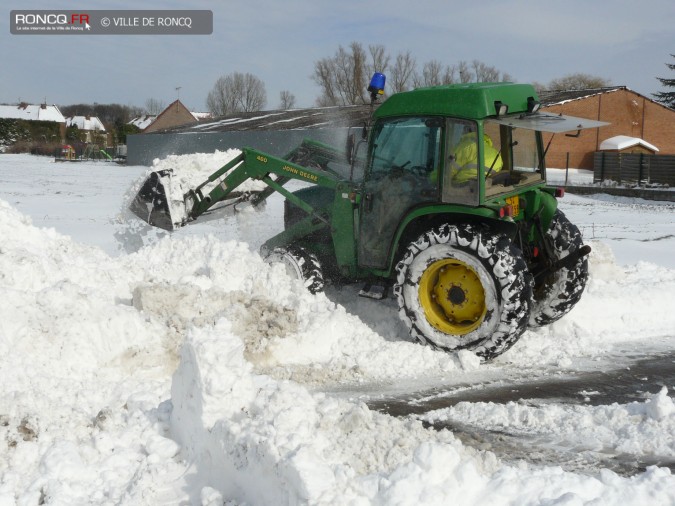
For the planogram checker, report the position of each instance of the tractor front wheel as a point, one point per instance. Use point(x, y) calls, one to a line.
point(300, 264)
point(464, 287)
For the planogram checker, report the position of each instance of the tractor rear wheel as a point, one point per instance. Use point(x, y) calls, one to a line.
point(464, 287)
point(300, 264)
point(556, 295)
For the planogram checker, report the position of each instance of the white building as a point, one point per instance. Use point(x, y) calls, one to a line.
point(88, 124)
point(30, 112)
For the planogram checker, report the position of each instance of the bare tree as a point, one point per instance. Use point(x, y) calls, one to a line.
point(448, 76)
point(287, 100)
point(154, 106)
point(430, 75)
point(343, 78)
point(379, 59)
point(236, 92)
point(538, 87)
point(465, 74)
point(434, 73)
point(485, 73)
point(578, 81)
point(352, 73)
point(403, 72)
point(219, 100)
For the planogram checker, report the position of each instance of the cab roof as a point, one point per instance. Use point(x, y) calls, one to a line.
point(470, 101)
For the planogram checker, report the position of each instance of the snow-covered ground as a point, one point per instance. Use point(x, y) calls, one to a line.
point(141, 367)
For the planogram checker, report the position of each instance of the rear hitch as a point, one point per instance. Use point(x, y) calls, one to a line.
point(564, 263)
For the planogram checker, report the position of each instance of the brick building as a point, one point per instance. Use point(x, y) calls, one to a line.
point(176, 114)
point(629, 114)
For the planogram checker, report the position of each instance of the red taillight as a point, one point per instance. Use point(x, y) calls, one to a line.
point(559, 193)
point(506, 211)
point(535, 252)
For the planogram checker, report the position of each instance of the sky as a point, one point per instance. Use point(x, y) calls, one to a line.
point(279, 42)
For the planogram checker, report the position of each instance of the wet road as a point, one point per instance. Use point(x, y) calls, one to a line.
point(623, 385)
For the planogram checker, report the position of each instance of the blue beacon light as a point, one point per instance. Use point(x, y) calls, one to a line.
point(376, 86)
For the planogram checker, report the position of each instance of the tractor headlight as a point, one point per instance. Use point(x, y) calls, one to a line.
point(501, 108)
point(532, 105)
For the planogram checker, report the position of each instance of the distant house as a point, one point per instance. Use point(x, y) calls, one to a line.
point(636, 122)
point(202, 116)
point(31, 112)
point(90, 125)
point(176, 114)
point(142, 122)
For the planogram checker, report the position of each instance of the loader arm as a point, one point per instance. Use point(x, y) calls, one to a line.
point(154, 203)
point(257, 165)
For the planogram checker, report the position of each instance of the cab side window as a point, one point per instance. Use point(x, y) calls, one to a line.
point(460, 180)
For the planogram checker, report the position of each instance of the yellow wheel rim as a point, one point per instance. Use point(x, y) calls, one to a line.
point(452, 296)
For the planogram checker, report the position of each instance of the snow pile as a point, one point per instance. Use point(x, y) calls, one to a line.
point(616, 298)
point(83, 375)
point(190, 171)
point(242, 429)
point(256, 440)
point(181, 173)
point(291, 333)
point(639, 428)
point(88, 344)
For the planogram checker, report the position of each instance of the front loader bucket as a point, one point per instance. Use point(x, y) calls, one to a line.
point(153, 202)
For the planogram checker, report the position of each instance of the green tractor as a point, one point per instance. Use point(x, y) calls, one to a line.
point(441, 200)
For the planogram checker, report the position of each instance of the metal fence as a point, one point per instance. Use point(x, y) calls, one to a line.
point(634, 168)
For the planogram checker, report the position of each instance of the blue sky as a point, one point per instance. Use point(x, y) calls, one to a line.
point(623, 41)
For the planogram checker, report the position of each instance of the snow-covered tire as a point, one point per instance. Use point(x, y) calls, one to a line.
point(300, 264)
point(555, 296)
point(464, 287)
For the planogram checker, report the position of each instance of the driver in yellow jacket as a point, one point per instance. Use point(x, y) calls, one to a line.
point(465, 161)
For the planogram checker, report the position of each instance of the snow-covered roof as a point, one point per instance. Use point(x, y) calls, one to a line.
point(317, 117)
point(621, 142)
point(40, 112)
point(86, 123)
point(201, 115)
point(550, 98)
point(144, 121)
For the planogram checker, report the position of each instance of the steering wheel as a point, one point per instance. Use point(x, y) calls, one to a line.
point(398, 170)
point(421, 170)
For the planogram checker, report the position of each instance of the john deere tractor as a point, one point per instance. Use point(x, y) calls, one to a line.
point(441, 200)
